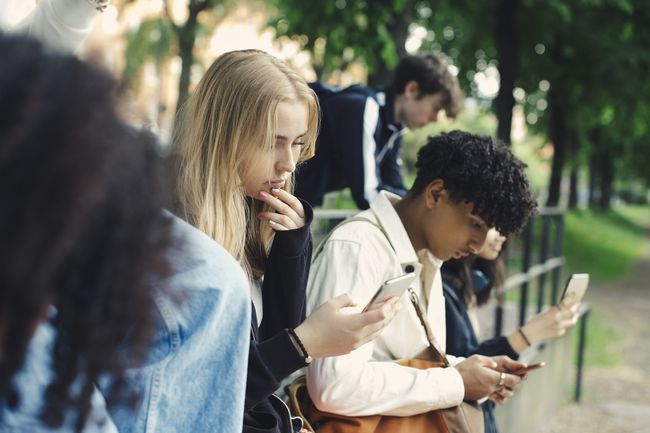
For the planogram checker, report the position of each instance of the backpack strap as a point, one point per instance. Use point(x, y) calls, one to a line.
point(435, 354)
point(355, 218)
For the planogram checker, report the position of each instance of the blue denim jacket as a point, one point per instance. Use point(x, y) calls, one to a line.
point(31, 382)
point(195, 375)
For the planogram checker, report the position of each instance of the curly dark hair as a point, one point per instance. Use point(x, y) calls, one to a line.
point(432, 74)
point(81, 225)
point(479, 170)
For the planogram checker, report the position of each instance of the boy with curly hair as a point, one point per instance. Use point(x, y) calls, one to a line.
point(465, 185)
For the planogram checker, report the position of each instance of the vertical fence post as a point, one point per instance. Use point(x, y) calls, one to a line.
point(525, 265)
point(558, 251)
point(543, 255)
point(582, 342)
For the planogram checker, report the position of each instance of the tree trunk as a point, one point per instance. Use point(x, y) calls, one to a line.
point(380, 77)
point(606, 180)
point(558, 136)
point(399, 28)
point(573, 187)
point(506, 45)
point(593, 135)
point(593, 181)
point(186, 40)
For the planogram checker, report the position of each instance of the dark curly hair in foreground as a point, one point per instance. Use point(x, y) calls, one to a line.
point(81, 226)
point(478, 170)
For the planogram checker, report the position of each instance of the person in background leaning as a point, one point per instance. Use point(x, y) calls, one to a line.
point(360, 139)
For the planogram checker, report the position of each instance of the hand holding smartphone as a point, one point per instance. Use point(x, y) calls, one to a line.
point(525, 370)
point(393, 287)
point(577, 284)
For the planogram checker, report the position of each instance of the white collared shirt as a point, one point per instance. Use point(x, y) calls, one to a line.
point(357, 259)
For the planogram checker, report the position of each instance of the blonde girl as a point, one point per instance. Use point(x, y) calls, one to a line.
point(249, 123)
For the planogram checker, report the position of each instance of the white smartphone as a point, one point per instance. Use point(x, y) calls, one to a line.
point(393, 287)
point(578, 284)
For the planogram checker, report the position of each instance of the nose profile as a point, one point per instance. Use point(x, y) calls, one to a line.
point(286, 161)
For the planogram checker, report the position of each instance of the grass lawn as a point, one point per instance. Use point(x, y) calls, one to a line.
point(605, 243)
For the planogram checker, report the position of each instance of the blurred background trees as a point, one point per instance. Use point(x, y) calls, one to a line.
point(562, 81)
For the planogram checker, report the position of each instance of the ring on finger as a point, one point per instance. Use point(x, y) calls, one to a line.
point(502, 379)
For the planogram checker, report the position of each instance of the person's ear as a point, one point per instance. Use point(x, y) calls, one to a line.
point(412, 89)
point(435, 193)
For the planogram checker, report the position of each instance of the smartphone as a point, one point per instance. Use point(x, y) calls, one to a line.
point(578, 284)
point(531, 367)
point(393, 287)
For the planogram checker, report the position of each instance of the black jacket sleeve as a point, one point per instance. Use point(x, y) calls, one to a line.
point(347, 115)
point(390, 171)
point(272, 355)
point(461, 340)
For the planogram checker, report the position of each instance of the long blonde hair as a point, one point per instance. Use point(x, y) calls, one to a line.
point(230, 115)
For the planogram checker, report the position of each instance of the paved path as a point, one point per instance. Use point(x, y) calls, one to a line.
point(617, 400)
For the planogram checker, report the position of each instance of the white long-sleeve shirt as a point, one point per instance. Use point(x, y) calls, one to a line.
point(59, 24)
point(357, 259)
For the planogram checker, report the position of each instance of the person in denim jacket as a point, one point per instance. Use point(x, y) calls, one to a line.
point(193, 378)
point(249, 122)
point(82, 235)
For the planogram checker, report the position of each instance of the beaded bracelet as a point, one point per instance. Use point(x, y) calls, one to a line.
point(306, 356)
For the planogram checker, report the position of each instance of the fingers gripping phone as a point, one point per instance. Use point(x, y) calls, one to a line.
point(531, 367)
point(578, 284)
point(393, 287)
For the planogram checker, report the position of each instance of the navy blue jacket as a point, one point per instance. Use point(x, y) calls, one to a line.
point(272, 355)
point(338, 162)
point(462, 341)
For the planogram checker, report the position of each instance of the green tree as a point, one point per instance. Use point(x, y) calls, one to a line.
point(338, 32)
point(159, 38)
point(533, 42)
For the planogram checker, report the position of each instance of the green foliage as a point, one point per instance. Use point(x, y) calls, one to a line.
point(605, 243)
point(158, 38)
point(152, 40)
point(595, 53)
point(338, 32)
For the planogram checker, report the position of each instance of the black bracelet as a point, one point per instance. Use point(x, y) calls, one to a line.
point(524, 337)
point(307, 357)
